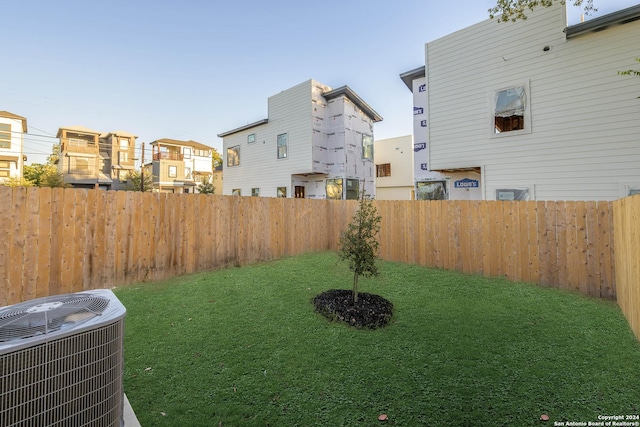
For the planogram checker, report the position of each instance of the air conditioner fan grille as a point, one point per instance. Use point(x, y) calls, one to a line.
point(49, 314)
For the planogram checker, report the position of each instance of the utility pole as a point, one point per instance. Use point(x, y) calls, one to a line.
point(142, 170)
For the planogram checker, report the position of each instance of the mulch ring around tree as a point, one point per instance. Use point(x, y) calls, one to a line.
point(371, 311)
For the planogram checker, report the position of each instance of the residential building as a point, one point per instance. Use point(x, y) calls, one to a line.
point(179, 166)
point(81, 163)
point(316, 142)
point(117, 155)
point(12, 158)
point(530, 110)
point(216, 179)
point(394, 168)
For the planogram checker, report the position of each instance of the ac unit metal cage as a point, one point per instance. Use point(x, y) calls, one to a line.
point(62, 361)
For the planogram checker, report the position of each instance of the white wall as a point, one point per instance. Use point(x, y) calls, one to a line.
point(398, 152)
point(585, 118)
point(16, 149)
point(289, 112)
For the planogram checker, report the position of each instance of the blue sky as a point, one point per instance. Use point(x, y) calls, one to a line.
point(191, 69)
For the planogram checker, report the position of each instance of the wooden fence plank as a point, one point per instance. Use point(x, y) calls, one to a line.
point(44, 242)
point(581, 248)
point(79, 248)
point(32, 233)
point(605, 243)
point(561, 243)
point(16, 250)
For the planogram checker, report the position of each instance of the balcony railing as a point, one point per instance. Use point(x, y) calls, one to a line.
point(69, 143)
point(167, 156)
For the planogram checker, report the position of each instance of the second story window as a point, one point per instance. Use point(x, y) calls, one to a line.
point(251, 138)
point(124, 144)
point(282, 146)
point(123, 156)
point(187, 152)
point(367, 146)
point(5, 135)
point(383, 170)
point(511, 111)
point(173, 171)
point(233, 156)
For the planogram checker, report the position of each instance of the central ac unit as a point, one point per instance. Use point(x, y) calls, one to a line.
point(62, 361)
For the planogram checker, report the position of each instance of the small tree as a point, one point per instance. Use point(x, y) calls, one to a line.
point(135, 182)
point(359, 243)
point(206, 187)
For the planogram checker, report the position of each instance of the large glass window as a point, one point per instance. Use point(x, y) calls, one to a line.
point(353, 187)
point(367, 146)
point(509, 109)
point(5, 135)
point(233, 156)
point(282, 146)
point(334, 189)
point(431, 190)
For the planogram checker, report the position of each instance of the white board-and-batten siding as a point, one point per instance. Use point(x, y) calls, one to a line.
point(584, 142)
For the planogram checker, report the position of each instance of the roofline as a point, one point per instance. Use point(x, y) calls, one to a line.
point(346, 91)
point(241, 128)
point(409, 76)
point(600, 23)
point(11, 116)
point(180, 143)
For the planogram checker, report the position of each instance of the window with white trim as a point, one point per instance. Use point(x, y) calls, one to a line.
point(510, 110)
point(173, 171)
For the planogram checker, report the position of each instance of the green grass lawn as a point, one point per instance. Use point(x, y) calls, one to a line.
point(243, 347)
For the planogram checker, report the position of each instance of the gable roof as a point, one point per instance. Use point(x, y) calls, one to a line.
point(600, 23)
point(9, 115)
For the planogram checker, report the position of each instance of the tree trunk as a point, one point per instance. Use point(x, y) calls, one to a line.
point(355, 288)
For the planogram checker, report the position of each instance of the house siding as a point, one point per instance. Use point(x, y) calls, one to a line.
point(15, 152)
point(398, 153)
point(585, 122)
point(324, 140)
point(289, 112)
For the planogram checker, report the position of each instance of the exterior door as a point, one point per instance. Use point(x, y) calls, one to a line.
point(299, 192)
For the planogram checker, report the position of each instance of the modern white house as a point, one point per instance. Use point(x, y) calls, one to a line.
point(394, 168)
point(316, 142)
point(12, 130)
point(530, 110)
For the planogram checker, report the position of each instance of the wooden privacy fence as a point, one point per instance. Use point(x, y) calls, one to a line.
point(627, 263)
point(66, 240)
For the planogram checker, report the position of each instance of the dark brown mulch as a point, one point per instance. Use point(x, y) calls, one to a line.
point(371, 311)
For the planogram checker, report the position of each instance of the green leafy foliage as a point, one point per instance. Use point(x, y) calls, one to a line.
point(16, 181)
point(135, 182)
point(206, 187)
point(44, 175)
point(359, 243)
point(513, 10)
point(630, 72)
